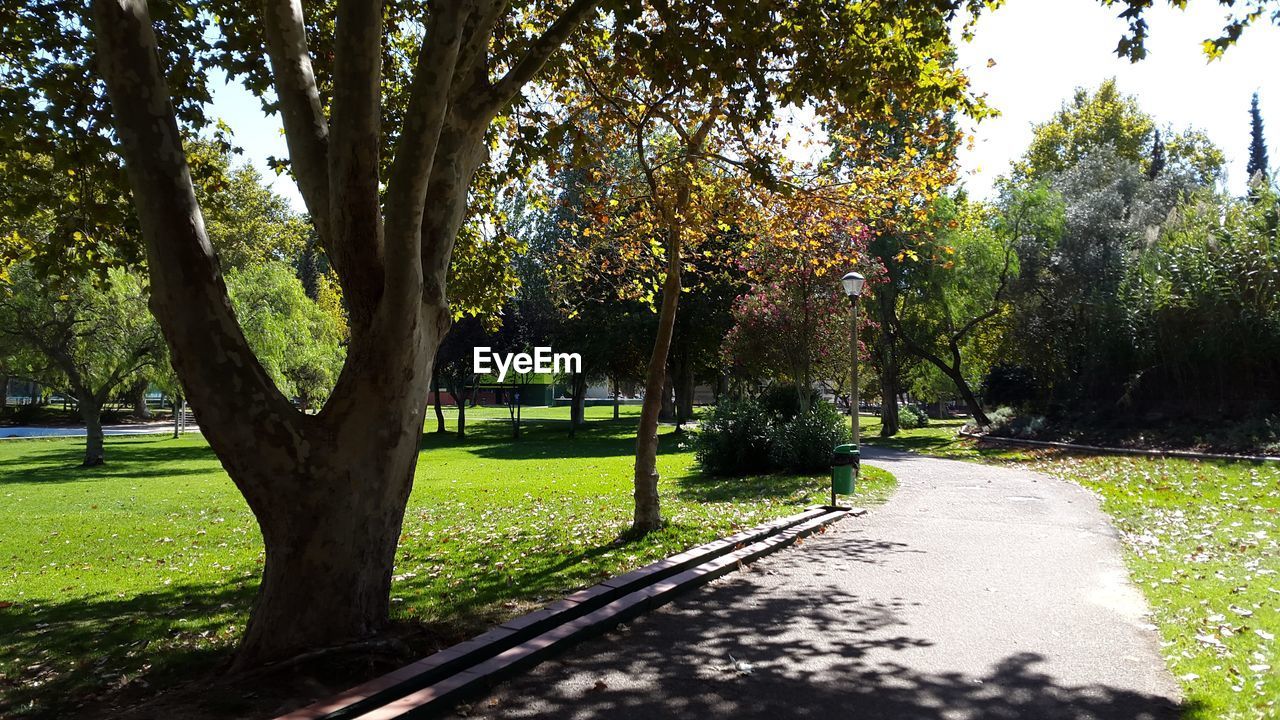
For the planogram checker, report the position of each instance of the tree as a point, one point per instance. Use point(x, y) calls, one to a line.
point(384, 139)
point(455, 363)
point(1157, 163)
point(1257, 167)
point(1106, 117)
point(793, 322)
point(84, 337)
point(695, 115)
point(963, 285)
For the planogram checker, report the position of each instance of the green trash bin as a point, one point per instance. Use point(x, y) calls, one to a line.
point(845, 462)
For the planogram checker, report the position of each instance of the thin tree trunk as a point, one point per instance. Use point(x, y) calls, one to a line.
point(577, 403)
point(970, 400)
point(616, 402)
point(462, 418)
point(684, 393)
point(667, 413)
point(91, 413)
point(177, 418)
point(4, 392)
point(435, 392)
point(648, 513)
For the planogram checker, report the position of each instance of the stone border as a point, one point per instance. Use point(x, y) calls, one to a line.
point(478, 663)
point(1187, 454)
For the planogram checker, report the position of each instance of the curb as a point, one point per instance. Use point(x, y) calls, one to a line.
point(426, 686)
point(1187, 454)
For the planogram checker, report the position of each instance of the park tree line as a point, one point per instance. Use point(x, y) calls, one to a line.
point(411, 130)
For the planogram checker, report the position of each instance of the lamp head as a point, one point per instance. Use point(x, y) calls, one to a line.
point(853, 283)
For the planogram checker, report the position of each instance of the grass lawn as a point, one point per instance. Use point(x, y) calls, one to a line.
point(140, 573)
point(1202, 541)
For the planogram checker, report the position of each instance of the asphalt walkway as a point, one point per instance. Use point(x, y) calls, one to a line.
point(975, 592)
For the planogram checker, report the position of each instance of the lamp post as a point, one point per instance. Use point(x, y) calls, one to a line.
point(853, 283)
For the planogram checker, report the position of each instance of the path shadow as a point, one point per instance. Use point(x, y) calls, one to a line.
point(734, 650)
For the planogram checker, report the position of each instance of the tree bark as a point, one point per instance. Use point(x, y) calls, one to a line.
point(91, 413)
point(139, 396)
point(648, 513)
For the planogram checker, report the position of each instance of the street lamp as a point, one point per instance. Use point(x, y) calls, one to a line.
point(853, 283)
point(847, 459)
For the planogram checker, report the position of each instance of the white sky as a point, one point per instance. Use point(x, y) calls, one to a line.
point(1043, 50)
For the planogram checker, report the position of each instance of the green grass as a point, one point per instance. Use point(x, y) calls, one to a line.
point(1202, 541)
point(143, 571)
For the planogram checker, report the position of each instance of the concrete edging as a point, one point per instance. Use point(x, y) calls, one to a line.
point(436, 680)
point(1187, 454)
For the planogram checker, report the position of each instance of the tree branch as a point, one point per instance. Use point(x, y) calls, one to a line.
point(188, 296)
point(538, 53)
point(356, 222)
point(415, 155)
point(306, 130)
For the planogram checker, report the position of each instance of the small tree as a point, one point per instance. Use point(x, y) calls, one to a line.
point(85, 338)
point(1257, 167)
point(794, 321)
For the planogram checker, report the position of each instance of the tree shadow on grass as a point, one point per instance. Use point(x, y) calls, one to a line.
point(698, 487)
point(550, 439)
point(132, 459)
point(737, 650)
point(58, 658)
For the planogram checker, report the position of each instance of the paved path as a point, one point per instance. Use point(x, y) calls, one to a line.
point(976, 592)
point(20, 432)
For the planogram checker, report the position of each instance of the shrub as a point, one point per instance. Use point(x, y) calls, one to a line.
point(1008, 423)
point(734, 439)
point(804, 443)
point(779, 402)
point(911, 417)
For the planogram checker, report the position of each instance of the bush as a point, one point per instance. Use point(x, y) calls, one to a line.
point(804, 443)
point(1008, 423)
point(911, 417)
point(779, 402)
point(734, 439)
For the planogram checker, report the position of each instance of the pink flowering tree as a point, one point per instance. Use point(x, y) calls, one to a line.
point(793, 322)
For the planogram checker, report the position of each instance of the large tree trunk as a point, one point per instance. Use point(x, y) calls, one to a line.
point(91, 413)
point(139, 395)
point(328, 490)
point(888, 363)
